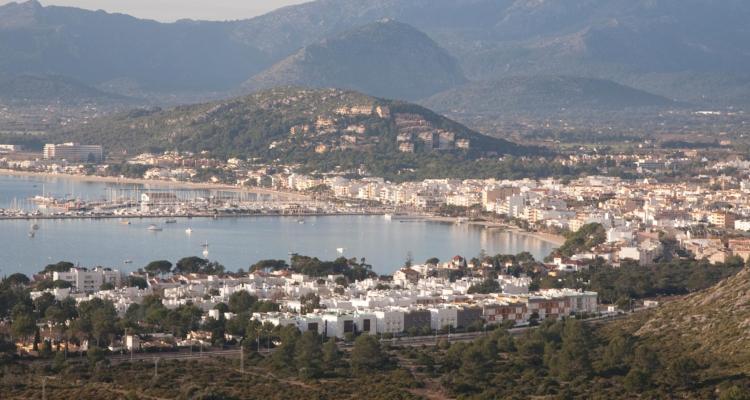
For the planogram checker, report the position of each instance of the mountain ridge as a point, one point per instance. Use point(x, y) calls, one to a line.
point(384, 59)
point(660, 46)
point(543, 94)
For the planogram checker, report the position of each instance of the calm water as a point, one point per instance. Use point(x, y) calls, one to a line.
point(15, 191)
point(236, 242)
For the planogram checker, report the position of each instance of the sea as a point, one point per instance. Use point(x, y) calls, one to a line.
point(235, 242)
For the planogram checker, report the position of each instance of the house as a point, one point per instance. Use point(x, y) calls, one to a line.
point(405, 276)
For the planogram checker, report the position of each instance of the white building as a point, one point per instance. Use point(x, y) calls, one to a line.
point(85, 280)
point(73, 152)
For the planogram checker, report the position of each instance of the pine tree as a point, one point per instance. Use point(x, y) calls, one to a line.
point(308, 355)
point(332, 358)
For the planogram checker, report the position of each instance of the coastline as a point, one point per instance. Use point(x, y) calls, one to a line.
point(155, 183)
point(556, 240)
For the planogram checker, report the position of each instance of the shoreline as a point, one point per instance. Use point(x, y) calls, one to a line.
point(158, 183)
point(556, 240)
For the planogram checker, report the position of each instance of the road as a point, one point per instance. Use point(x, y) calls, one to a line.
point(400, 341)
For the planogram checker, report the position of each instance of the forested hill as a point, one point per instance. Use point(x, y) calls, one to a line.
point(329, 126)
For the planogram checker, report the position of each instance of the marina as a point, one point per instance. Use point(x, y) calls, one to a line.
point(237, 241)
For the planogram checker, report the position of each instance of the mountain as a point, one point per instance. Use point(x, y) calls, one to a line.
point(713, 323)
point(542, 94)
point(628, 41)
point(384, 59)
point(322, 127)
point(667, 47)
point(96, 47)
point(44, 89)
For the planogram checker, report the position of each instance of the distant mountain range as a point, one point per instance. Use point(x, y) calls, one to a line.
point(694, 51)
point(45, 89)
point(537, 95)
point(385, 58)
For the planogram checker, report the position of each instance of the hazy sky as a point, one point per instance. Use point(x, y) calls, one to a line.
point(171, 10)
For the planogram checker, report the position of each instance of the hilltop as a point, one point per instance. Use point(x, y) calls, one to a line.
point(385, 59)
point(330, 126)
point(543, 94)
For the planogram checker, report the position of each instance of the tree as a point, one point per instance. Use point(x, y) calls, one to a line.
point(107, 286)
point(308, 355)
point(573, 357)
point(97, 319)
point(17, 279)
point(309, 303)
point(161, 267)
point(617, 354)
point(189, 265)
point(136, 281)
point(43, 302)
point(680, 371)
point(269, 265)
point(95, 355)
point(241, 301)
point(486, 287)
point(23, 325)
point(283, 358)
point(644, 364)
point(62, 266)
point(367, 355)
point(332, 357)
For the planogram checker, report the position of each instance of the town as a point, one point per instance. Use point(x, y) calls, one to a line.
point(417, 300)
point(706, 216)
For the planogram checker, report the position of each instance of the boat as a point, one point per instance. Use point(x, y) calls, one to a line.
point(189, 230)
point(154, 228)
point(205, 253)
point(125, 222)
point(35, 227)
point(170, 221)
point(205, 245)
point(301, 221)
point(128, 261)
point(32, 234)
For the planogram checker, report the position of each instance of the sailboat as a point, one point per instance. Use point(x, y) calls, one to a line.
point(189, 230)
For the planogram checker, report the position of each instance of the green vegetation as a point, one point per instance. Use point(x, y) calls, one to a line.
point(352, 269)
point(587, 237)
point(619, 285)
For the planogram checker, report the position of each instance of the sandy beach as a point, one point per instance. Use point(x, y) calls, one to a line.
point(157, 183)
point(557, 240)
